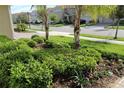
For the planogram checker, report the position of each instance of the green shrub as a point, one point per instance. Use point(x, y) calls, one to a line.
point(90, 52)
point(33, 36)
point(34, 75)
point(23, 55)
point(21, 27)
point(5, 65)
point(10, 46)
point(66, 60)
point(50, 44)
point(4, 39)
point(110, 56)
point(31, 43)
point(38, 39)
point(24, 39)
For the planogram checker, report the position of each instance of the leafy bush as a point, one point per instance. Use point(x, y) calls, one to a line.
point(110, 56)
point(9, 56)
point(50, 44)
point(23, 55)
point(23, 39)
point(10, 46)
point(4, 39)
point(31, 43)
point(29, 75)
point(66, 60)
point(38, 39)
point(21, 27)
point(33, 36)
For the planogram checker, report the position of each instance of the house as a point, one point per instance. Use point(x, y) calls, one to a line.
point(6, 26)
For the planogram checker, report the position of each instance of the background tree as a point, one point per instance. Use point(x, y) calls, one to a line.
point(95, 11)
point(22, 18)
point(42, 11)
point(54, 18)
point(119, 14)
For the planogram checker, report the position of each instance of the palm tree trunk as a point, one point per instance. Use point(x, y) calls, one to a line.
point(117, 29)
point(46, 23)
point(77, 26)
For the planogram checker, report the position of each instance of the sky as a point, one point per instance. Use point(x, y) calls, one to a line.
point(23, 8)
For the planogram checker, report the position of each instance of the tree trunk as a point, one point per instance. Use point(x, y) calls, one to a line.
point(46, 23)
point(77, 25)
point(117, 29)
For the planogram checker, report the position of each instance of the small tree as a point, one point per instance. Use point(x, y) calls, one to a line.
point(119, 13)
point(95, 11)
point(42, 11)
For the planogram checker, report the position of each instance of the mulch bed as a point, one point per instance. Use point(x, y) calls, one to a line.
point(106, 73)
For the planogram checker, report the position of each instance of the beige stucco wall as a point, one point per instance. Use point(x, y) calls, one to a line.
point(6, 27)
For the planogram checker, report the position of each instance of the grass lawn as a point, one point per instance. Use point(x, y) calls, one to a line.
point(102, 37)
point(114, 27)
point(105, 47)
point(113, 48)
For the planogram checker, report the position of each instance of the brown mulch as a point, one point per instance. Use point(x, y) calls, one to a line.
point(115, 69)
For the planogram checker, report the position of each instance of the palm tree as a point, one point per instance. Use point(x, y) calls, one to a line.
point(42, 11)
point(78, 10)
point(95, 11)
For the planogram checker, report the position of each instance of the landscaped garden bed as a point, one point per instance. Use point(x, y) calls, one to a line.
point(42, 63)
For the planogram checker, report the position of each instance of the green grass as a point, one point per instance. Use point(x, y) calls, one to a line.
point(102, 37)
point(113, 48)
point(114, 27)
point(105, 47)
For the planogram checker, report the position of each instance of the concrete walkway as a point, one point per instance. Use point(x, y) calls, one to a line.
point(99, 40)
point(119, 83)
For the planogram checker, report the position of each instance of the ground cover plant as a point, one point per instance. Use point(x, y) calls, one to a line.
point(54, 63)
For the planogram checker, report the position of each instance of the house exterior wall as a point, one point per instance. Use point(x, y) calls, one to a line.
point(6, 27)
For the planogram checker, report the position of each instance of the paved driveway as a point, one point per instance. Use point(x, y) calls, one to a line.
point(65, 30)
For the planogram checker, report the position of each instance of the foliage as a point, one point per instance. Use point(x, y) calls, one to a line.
point(119, 13)
point(34, 75)
point(21, 27)
point(4, 39)
point(22, 18)
point(38, 39)
point(31, 43)
point(9, 54)
point(66, 60)
point(22, 66)
point(99, 10)
point(80, 80)
point(33, 36)
point(112, 48)
point(50, 44)
point(54, 18)
point(24, 54)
